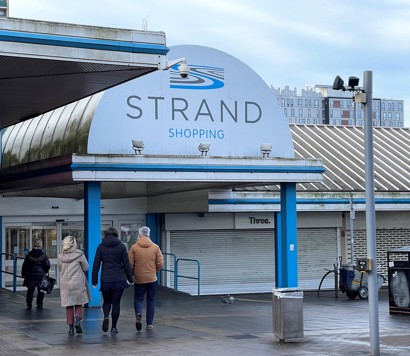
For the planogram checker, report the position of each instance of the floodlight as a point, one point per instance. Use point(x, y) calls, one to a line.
point(338, 84)
point(266, 149)
point(138, 146)
point(204, 148)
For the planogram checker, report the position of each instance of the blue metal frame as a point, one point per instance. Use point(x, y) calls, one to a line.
point(174, 271)
point(189, 277)
point(288, 267)
point(78, 42)
point(92, 230)
point(107, 167)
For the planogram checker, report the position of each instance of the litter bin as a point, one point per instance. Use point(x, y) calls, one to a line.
point(398, 264)
point(287, 313)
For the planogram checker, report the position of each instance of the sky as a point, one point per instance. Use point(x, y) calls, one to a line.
point(291, 43)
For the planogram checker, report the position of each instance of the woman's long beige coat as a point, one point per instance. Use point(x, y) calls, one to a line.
point(74, 288)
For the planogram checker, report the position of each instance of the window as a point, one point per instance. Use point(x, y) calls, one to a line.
point(283, 101)
point(400, 106)
point(375, 105)
point(336, 104)
point(384, 115)
point(383, 105)
point(389, 116)
point(300, 113)
point(397, 116)
point(300, 103)
point(285, 110)
point(316, 103)
point(301, 121)
point(292, 112)
point(309, 113)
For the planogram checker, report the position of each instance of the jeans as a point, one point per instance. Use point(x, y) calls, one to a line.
point(139, 293)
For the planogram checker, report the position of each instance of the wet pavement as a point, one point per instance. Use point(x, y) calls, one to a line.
point(186, 325)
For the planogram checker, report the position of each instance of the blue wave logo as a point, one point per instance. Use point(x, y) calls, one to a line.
point(200, 78)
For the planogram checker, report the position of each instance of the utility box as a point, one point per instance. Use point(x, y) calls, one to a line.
point(287, 313)
point(398, 262)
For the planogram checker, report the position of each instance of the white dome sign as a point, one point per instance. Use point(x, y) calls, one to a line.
point(222, 102)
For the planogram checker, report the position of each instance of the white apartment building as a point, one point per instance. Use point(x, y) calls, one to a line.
point(320, 104)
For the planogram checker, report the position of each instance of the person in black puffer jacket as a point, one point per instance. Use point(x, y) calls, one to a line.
point(35, 267)
point(112, 255)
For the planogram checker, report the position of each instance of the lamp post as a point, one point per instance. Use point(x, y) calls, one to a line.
point(365, 96)
point(371, 214)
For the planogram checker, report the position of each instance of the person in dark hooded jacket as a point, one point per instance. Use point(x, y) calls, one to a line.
point(112, 257)
point(34, 268)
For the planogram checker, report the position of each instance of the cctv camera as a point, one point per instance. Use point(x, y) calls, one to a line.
point(183, 69)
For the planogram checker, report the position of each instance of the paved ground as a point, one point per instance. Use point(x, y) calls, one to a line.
point(186, 325)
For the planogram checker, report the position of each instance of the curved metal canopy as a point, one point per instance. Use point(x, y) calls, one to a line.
point(45, 65)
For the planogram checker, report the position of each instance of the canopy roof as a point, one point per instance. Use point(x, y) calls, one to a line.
point(45, 65)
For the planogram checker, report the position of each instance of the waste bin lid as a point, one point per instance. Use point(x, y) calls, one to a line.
point(287, 292)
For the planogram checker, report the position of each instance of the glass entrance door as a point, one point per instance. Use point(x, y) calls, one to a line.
point(17, 243)
point(48, 234)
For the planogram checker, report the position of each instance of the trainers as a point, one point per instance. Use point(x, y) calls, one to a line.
point(105, 324)
point(150, 327)
point(77, 325)
point(114, 331)
point(138, 324)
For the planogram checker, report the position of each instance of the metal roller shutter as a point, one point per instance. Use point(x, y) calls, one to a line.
point(242, 261)
point(317, 254)
point(232, 261)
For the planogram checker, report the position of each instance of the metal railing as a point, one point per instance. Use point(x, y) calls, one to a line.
point(189, 277)
point(14, 273)
point(175, 271)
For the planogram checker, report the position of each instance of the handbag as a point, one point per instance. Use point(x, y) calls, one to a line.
point(46, 285)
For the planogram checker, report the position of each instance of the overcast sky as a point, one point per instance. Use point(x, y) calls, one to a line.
point(293, 42)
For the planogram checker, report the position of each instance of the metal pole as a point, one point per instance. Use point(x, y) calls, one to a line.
point(352, 217)
point(371, 214)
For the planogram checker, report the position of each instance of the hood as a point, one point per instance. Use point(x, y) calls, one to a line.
point(70, 255)
point(144, 241)
point(36, 255)
point(110, 241)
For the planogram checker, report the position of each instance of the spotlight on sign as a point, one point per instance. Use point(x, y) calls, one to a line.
point(266, 149)
point(138, 146)
point(204, 148)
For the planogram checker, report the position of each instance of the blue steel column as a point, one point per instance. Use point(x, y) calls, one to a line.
point(154, 223)
point(278, 249)
point(288, 268)
point(92, 222)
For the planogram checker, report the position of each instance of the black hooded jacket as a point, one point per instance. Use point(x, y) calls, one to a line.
point(35, 266)
point(113, 256)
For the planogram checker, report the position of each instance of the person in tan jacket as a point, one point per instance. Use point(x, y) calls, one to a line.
point(145, 260)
